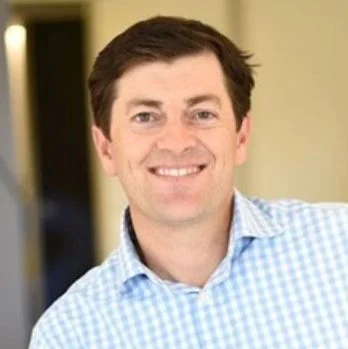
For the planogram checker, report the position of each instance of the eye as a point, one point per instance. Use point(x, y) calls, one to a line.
point(144, 117)
point(204, 115)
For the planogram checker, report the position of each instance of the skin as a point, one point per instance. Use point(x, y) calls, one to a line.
point(173, 119)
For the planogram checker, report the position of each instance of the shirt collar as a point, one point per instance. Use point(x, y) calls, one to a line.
point(130, 264)
point(251, 218)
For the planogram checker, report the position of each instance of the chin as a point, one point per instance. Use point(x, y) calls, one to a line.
point(180, 215)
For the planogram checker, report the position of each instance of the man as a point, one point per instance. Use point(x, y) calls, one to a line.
point(199, 264)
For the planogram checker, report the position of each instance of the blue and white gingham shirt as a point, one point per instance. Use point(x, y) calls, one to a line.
point(282, 285)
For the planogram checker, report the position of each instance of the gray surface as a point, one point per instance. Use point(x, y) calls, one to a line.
point(13, 315)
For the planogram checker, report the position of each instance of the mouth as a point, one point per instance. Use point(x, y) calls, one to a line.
point(177, 172)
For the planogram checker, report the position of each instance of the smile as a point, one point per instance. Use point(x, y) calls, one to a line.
point(177, 172)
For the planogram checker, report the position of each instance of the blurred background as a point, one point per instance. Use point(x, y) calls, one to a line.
point(59, 215)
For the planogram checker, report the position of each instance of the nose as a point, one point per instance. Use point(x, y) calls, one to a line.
point(177, 137)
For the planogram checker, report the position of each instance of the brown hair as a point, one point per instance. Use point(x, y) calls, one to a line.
point(165, 39)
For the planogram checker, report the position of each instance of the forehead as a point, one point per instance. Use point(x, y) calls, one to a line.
point(201, 73)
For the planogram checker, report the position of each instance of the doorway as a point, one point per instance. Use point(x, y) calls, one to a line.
point(59, 119)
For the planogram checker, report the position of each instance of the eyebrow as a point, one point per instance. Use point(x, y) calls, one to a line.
point(192, 101)
point(143, 102)
point(208, 97)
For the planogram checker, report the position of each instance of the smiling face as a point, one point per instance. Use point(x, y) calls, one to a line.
point(173, 140)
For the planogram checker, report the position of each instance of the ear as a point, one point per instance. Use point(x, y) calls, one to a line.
point(243, 140)
point(103, 148)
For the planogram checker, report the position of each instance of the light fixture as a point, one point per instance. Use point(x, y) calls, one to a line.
point(15, 36)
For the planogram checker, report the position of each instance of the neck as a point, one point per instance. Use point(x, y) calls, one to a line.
point(186, 254)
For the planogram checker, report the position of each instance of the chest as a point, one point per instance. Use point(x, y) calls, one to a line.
point(293, 306)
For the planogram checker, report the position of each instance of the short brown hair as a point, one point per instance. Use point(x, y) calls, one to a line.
point(165, 39)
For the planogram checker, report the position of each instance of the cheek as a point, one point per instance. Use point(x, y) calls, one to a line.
point(131, 150)
point(222, 143)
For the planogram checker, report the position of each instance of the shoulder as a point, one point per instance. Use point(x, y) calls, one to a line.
point(324, 218)
point(290, 208)
point(69, 320)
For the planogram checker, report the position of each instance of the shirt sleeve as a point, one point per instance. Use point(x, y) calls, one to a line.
point(56, 330)
point(36, 342)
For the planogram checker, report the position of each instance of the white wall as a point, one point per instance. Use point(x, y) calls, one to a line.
point(300, 143)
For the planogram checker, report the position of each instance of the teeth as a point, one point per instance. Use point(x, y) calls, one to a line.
point(177, 172)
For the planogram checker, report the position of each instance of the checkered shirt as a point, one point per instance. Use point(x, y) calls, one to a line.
point(282, 285)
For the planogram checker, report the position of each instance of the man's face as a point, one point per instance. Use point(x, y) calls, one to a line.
point(174, 144)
